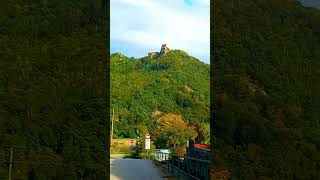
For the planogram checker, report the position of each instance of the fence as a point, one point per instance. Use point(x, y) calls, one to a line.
point(162, 154)
point(197, 162)
point(182, 169)
point(179, 173)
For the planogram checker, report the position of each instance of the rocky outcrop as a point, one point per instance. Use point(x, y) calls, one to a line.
point(164, 50)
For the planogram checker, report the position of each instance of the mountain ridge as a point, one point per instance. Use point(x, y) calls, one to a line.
point(173, 50)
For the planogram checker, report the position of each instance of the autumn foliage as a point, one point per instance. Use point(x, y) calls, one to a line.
point(172, 130)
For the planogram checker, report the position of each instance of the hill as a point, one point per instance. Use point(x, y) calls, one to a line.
point(142, 89)
point(266, 89)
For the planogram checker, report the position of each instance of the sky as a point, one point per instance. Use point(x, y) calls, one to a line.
point(140, 26)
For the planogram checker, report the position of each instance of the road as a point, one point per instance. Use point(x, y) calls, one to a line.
point(133, 169)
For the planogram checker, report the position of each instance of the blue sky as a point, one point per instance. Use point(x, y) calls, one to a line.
point(140, 26)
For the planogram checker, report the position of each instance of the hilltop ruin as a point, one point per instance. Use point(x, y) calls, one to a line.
point(164, 50)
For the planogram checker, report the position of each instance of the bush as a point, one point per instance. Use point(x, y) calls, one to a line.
point(141, 152)
point(179, 151)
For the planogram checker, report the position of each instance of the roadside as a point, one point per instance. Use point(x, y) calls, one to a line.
point(120, 146)
point(117, 156)
point(164, 170)
point(121, 159)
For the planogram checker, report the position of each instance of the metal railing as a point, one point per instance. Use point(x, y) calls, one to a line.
point(174, 167)
point(181, 174)
point(162, 154)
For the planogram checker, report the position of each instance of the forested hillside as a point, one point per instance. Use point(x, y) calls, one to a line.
point(53, 89)
point(144, 89)
point(266, 89)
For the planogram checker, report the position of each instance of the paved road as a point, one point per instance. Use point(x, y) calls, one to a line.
point(133, 169)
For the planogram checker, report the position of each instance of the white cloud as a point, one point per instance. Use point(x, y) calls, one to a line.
point(138, 3)
point(149, 23)
point(204, 2)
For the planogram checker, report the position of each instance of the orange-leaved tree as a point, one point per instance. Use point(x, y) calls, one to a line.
point(172, 130)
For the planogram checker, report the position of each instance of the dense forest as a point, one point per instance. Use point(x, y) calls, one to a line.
point(266, 74)
point(144, 89)
point(53, 107)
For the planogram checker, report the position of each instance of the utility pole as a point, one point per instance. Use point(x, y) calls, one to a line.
point(10, 166)
point(111, 135)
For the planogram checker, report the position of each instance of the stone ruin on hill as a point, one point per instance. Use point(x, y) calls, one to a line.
point(164, 50)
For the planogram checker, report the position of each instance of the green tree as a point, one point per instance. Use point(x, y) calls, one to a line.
point(171, 130)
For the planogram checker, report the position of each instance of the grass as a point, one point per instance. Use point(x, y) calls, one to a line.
point(129, 156)
point(120, 146)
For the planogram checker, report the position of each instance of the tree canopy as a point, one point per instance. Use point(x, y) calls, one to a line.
point(53, 89)
point(172, 130)
point(266, 89)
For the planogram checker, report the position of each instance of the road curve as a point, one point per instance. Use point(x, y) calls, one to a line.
point(133, 169)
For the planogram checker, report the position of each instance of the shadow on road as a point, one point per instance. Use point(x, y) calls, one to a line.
point(133, 169)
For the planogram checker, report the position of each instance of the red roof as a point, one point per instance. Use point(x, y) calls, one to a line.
point(201, 146)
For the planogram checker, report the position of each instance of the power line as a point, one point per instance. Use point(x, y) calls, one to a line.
point(10, 166)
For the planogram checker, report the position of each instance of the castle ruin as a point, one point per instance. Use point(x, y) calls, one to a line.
point(164, 50)
point(152, 54)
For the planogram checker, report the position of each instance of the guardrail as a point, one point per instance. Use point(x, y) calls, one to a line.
point(181, 174)
point(187, 169)
point(162, 154)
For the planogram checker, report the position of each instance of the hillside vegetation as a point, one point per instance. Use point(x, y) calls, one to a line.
point(53, 90)
point(142, 90)
point(266, 89)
